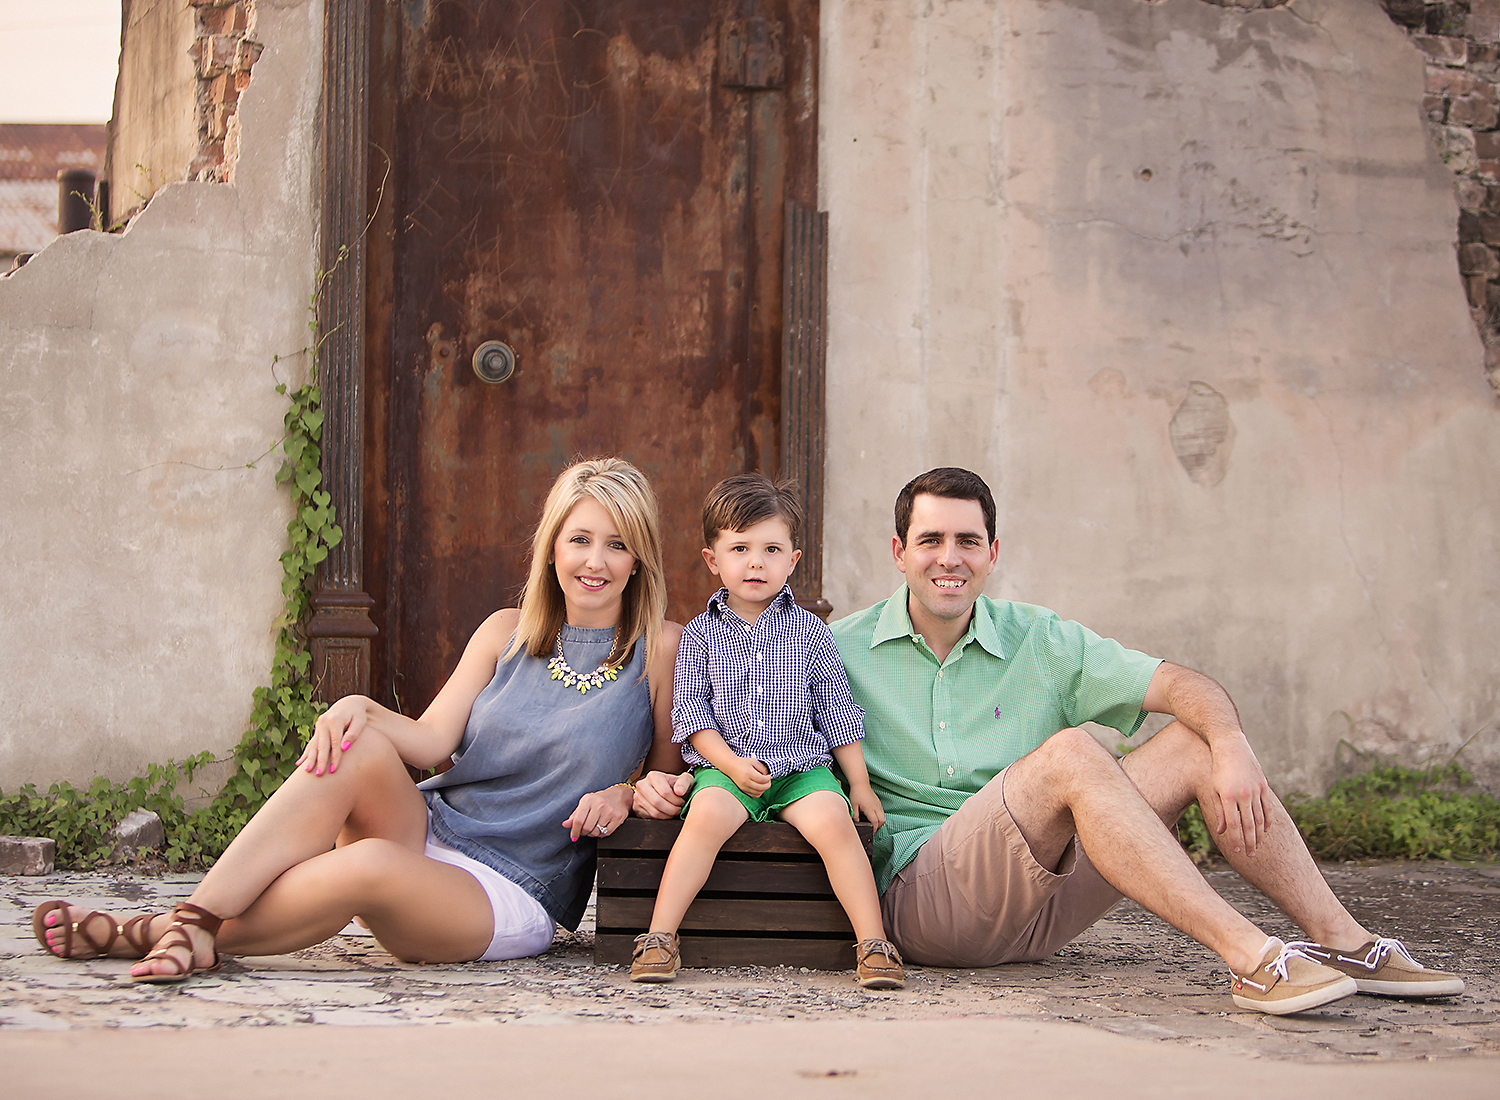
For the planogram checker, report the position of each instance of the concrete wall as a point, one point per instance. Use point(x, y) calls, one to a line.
point(1180, 281)
point(139, 580)
point(154, 132)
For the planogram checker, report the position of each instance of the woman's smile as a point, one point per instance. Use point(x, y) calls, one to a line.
point(593, 565)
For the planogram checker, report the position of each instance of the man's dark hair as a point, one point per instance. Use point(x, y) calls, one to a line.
point(740, 502)
point(950, 482)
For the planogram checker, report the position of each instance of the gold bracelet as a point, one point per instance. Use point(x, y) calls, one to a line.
point(626, 783)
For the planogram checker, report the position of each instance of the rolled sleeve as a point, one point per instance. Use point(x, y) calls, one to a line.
point(692, 690)
point(835, 714)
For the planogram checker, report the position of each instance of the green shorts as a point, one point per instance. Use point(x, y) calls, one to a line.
point(781, 794)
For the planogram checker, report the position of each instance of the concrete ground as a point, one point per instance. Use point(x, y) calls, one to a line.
point(1132, 1008)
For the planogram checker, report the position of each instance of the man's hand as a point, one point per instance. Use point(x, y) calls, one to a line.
point(1242, 795)
point(749, 775)
point(661, 795)
point(863, 801)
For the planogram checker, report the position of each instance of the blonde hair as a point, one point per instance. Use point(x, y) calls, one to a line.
point(626, 495)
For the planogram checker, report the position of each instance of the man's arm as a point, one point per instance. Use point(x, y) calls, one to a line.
point(1240, 786)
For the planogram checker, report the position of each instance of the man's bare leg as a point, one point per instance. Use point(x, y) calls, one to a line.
point(1174, 769)
point(1071, 786)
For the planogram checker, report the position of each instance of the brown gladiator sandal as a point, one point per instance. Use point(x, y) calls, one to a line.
point(133, 932)
point(184, 915)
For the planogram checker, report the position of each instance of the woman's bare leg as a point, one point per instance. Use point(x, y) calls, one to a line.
point(283, 857)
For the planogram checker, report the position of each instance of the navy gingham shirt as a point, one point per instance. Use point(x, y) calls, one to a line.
point(774, 690)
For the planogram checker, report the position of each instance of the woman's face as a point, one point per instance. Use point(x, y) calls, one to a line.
point(592, 565)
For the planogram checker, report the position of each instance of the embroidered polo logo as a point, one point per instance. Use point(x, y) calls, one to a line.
point(997, 712)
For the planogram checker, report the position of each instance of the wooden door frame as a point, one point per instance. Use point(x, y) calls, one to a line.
point(342, 632)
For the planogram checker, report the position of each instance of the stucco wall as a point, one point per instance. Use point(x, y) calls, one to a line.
point(139, 580)
point(1053, 224)
point(154, 132)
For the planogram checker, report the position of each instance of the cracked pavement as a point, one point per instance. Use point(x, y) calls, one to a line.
point(1131, 976)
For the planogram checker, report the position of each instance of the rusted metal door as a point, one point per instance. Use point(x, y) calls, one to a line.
point(600, 187)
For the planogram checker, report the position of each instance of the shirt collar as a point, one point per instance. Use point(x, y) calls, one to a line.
point(895, 622)
point(718, 603)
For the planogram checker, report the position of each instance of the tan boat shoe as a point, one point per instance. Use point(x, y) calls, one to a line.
point(1385, 966)
point(1289, 980)
point(877, 965)
point(656, 957)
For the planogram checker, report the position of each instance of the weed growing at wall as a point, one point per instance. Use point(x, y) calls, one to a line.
point(1388, 812)
point(80, 820)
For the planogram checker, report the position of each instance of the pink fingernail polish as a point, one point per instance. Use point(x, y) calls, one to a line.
point(345, 745)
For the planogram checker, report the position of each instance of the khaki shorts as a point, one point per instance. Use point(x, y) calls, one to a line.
point(975, 896)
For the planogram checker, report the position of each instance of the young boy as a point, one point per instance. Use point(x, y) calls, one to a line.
point(762, 701)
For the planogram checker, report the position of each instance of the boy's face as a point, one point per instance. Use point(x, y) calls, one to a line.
point(753, 564)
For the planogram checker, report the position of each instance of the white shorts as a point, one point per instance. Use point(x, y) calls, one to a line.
point(522, 926)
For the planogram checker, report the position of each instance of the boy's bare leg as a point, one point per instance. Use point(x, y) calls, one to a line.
point(822, 818)
point(712, 819)
point(1071, 786)
point(1175, 769)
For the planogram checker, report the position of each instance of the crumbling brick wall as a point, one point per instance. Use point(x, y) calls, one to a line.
point(183, 67)
point(1461, 39)
point(224, 52)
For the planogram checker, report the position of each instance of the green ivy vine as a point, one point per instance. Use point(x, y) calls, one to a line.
point(283, 712)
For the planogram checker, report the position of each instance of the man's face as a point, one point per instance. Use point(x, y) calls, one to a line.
point(946, 559)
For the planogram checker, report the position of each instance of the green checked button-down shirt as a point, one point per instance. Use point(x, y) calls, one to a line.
point(936, 732)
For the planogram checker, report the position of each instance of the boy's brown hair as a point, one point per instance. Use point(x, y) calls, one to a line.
point(740, 502)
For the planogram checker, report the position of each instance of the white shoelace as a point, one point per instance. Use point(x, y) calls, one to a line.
point(1289, 952)
point(1380, 950)
point(1377, 954)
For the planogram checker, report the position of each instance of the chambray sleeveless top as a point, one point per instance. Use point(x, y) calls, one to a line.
point(531, 750)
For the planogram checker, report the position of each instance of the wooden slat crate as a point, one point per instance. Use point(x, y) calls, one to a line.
point(767, 901)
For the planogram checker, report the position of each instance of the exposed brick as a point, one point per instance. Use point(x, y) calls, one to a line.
point(1447, 19)
point(241, 81)
point(1478, 259)
point(1489, 228)
point(1444, 50)
point(1408, 13)
point(233, 19)
point(1483, 21)
point(27, 855)
point(1445, 81)
point(1475, 112)
point(1472, 194)
point(247, 54)
point(1469, 228)
point(224, 89)
point(1484, 58)
point(1490, 169)
point(1478, 288)
point(1487, 146)
point(1435, 107)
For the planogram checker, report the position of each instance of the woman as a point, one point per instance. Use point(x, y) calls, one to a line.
point(481, 861)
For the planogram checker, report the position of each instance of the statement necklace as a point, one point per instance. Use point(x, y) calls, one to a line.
point(561, 670)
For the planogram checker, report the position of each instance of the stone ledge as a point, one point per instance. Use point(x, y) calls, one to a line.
point(27, 855)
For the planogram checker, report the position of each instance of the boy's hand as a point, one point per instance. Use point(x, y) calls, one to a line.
point(750, 776)
point(862, 800)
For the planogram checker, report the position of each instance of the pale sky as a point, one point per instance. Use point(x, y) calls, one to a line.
point(58, 60)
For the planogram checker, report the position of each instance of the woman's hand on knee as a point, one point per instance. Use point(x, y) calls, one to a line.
point(600, 813)
point(337, 729)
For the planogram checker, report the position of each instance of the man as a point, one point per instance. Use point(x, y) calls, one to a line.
point(1009, 830)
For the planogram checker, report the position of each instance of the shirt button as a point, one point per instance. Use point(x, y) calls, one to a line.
point(950, 769)
point(940, 675)
point(760, 691)
point(762, 725)
point(943, 726)
point(757, 656)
